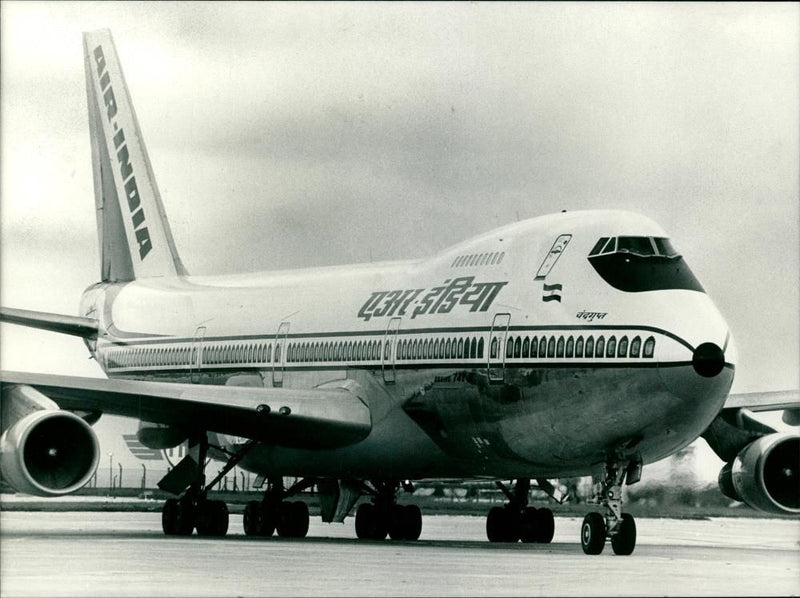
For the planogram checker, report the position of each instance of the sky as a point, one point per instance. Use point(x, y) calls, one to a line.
point(292, 135)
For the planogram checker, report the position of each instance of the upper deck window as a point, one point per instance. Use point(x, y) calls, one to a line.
point(635, 264)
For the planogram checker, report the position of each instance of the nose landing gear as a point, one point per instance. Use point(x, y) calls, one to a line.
point(619, 527)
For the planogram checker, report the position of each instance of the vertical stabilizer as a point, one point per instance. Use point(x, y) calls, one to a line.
point(135, 238)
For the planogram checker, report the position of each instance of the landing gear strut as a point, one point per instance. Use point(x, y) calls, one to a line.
point(383, 516)
point(619, 527)
point(517, 521)
point(181, 516)
point(274, 514)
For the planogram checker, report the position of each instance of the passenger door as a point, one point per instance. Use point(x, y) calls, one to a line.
point(390, 350)
point(497, 347)
point(279, 355)
point(196, 354)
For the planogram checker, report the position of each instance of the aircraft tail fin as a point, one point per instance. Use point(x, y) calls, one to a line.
point(134, 234)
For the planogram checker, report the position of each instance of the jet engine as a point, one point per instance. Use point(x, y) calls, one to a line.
point(46, 452)
point(765, 475)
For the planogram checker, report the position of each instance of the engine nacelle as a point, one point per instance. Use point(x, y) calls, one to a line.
point(49, 453)
point(765, 475)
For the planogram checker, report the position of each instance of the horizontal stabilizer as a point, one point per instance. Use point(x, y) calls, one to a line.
point(311, 418)
point(74, 325)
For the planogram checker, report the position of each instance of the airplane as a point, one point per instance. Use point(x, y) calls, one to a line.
point(573, 344)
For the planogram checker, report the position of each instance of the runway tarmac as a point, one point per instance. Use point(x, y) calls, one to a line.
point(125, 554)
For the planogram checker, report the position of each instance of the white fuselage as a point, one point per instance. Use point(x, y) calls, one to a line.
point(444, 351)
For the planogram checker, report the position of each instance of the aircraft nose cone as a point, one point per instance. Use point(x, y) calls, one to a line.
point(708, 360)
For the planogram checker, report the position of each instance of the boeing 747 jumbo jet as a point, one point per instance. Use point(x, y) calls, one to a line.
point(568, 345)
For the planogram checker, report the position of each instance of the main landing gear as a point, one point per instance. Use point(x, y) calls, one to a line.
point(619, 527)
point(383, 516)
point(181, 516)
point(274, 514)
point(517, 521)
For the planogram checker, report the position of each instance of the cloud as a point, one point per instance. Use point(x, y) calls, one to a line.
point(291, 135)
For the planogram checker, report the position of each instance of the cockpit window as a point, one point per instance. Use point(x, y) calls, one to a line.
point(664, 247)
point(635, 264)
point(638, 245)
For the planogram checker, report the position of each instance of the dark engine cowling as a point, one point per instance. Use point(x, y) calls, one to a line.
point(765, 475)
point(49, 453)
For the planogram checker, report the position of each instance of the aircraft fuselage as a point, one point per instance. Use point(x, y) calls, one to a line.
point(529, 351)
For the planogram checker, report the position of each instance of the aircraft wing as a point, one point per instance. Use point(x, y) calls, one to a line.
point(765, 401)
point(786, 400)
point(315, 418)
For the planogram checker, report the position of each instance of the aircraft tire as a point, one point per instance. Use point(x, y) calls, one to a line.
point(530, 525)
point(371, 523)
point(301, 519)
point(593, 533)
point(398, 522)
point(624, 541)
point(545, 526)
point(293, 519)
point(185, 518)
point(364, 516)
point(221, 518)
point(212, 518)
point(251, 519)
point(502, 525)
point(413, 522)
point(269, 519)
point(169, 517)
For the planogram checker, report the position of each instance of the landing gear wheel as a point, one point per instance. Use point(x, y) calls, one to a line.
point(405, 522)
point(529, 531)
point(292, 519)
point(251, 520)
point(502, 525)
point(370, 525)
point(397, 522)
point(624, 541)
point(545, 526)
point(364, 516)
point(413, 522)
point(185, 517)
point(169, 517)
point(212, 518)
point(593, 533)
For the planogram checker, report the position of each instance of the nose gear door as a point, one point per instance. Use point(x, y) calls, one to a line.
point(497, 347)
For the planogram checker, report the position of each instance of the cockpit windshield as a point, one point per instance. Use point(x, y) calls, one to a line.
point(636, 264)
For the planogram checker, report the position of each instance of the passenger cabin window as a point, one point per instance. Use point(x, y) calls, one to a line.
point(649, 348)
point(601, 345)
point(636, 264)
